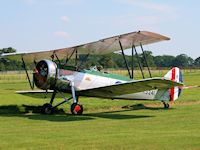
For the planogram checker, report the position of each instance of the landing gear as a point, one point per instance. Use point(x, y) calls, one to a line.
point(47, 109)
point(166, 105)
point(76, 109)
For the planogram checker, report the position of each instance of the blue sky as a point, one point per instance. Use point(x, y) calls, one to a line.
point(35, 25)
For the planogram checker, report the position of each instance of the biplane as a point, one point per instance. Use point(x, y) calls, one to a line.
point(52, 73)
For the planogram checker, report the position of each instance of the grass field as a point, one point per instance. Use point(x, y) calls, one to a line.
point(106, 124)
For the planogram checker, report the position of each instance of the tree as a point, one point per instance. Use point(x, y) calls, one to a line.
point(119, 61)
point(7, 50)
point(149, 59)
point(164, 61)
point(2, 66)
point(197, 62)
point(107, 61)
point(6, 64)
point(183, 60)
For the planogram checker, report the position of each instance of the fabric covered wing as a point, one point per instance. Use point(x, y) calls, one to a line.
point(36, 93)
point(103, 46)
point(130, 87)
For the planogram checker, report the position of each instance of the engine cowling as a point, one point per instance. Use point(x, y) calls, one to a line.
point(45, 74)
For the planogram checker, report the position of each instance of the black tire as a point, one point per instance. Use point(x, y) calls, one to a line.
point(166, 105)
point(76, 109)
point(47, 109)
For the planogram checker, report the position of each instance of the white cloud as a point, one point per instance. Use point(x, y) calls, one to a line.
point(65, 19)
point(61, 34)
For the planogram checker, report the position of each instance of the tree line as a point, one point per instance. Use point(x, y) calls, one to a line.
point(114, 60)
point(6, 64)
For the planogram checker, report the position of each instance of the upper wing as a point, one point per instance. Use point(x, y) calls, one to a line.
point(103, 46)
point(130, 87)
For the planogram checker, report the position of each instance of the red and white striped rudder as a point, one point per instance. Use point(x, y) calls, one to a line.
point(174, 74)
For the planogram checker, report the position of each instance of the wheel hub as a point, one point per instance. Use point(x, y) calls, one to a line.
point(77, 108)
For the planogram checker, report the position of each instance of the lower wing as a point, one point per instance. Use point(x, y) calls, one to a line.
point(36, 93)
point(114, 90)
point(130, 87)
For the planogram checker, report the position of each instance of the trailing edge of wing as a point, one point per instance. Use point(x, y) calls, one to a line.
point(103, 46)
point(130, 87)
point(36, 93)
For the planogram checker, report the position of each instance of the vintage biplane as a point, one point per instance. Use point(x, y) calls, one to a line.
point(53, 74)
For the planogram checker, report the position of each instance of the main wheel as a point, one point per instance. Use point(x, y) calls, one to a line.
point(166, 105)
point(47, 109)
point(76, 109)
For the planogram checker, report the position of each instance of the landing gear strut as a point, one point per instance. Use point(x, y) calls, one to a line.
point(47, 108)
point(166, 105)
point(76, 109)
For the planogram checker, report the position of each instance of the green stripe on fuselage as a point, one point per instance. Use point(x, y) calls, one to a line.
point(107, 75)
point(97, 73)
point(65, 67)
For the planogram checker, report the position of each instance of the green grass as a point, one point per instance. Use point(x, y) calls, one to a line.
point(104, 125)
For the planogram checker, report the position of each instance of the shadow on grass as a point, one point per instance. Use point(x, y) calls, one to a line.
point(142, 106)
point(33, 112)
point(114, 115)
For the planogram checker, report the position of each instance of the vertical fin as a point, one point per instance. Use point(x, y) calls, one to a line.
point(175, 75)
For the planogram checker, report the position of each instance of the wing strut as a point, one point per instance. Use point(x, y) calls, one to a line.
point(70, 56)
point(132, 72)
point(82, 61)
point(145, 59)
point(27, 75)
point(55, 55)
point(76, 59)
point(120, 44)
point(139, 62)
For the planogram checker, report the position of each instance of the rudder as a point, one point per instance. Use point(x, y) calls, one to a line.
point(174, 74)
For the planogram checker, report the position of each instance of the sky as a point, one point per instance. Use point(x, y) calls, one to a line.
point(36, 25)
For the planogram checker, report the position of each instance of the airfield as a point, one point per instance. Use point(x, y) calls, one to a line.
point(105, 124)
